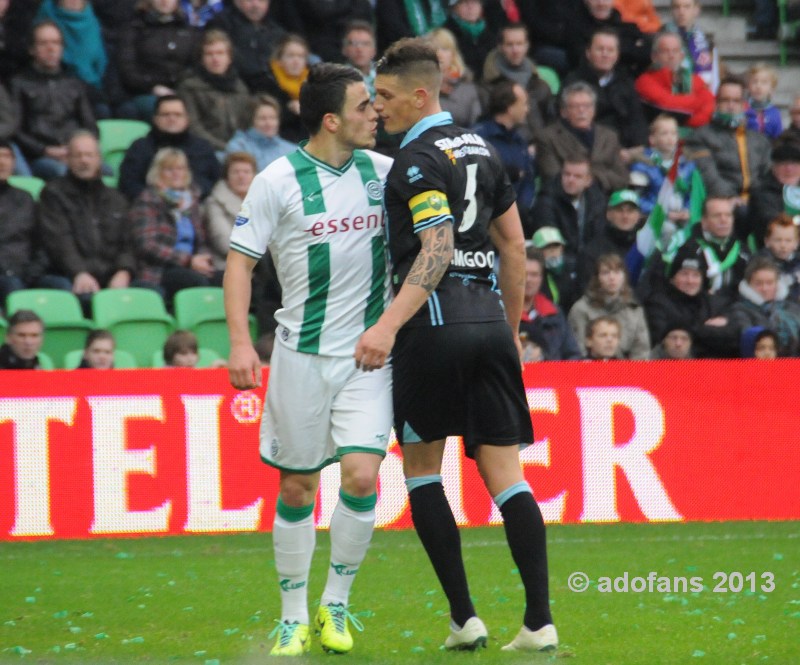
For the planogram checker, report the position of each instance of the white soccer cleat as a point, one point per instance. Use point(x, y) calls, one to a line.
point(544, 639)
point(471, 636)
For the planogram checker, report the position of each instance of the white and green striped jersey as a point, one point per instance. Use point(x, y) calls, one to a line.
point(325, 230)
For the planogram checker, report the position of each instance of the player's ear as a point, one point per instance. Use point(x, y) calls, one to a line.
point(421, 96)
point(331, 122)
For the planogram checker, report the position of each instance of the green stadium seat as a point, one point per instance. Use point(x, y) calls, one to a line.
point(205, 358)
point(116, 136)
point(65, 327)
point(3, 327)
point(549, 76)
point(28, 183)
point(136, 317)
point(122, 359)
point(45, 361)
point(201, 310)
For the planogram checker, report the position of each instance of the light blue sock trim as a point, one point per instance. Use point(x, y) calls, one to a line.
point(419, 481)
point(508, 492)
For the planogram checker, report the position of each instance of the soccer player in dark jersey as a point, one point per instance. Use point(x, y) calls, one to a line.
point(452, 219)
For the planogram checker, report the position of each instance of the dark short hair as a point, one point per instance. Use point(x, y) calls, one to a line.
point(590, 327)
point(501, 96)
point(358, 25)
point(160, 101)
point(180, 341)
point(577, 158)
point(264, 99)
point(23, 316)
point(605, 30)
point(5, 144)
point(760, 263)
point(42, 23)
point(534, 254)
point(94, 335)
point(501, 34)
point(411, 57)
point(324, 92)
point(290, 38)
point(708, 199)
point(731, 80)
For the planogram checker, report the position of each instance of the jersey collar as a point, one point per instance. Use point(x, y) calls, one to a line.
point(324, 165)
point(435, 120)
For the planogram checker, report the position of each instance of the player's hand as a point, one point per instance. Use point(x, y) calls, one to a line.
point(244, 367)
point(85, 283)
point(374, 347)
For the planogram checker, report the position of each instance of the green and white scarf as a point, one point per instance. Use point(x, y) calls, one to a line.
point(791, 199)
point(717, 268)
point(424, 15)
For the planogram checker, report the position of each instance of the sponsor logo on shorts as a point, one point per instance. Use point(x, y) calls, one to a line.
point(284, 333)
point(240, 221)
point(274, 448)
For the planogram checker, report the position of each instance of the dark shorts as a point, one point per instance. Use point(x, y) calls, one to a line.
point(460, 380)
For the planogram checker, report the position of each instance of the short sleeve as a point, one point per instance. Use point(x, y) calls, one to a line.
point(421, 182)
point(257, 218)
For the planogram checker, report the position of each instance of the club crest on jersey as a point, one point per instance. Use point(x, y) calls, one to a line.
point(435, 202)
point(413, 173)
point(374, 190)
point(244, 215)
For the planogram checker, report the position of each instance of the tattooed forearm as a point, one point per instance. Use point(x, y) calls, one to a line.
point(434, 257)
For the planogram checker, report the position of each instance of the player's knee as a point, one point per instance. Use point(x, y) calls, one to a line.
point(359, 482)
point(297, 491)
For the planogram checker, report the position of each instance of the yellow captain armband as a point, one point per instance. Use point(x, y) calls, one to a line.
point(432, 203)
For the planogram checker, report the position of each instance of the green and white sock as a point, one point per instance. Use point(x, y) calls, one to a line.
point(293, 539)
point(352, 523)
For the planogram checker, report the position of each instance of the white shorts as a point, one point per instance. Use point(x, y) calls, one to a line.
point(319, 408)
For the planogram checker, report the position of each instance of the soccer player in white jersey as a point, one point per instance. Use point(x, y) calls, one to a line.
point(319, 212)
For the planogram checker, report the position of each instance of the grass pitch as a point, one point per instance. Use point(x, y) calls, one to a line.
point(212, 600)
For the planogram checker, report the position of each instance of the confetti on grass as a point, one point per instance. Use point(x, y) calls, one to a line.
point(697, 653)
point(134, 640)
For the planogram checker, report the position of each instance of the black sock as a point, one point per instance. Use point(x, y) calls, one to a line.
point(524, 527)
point(436, 528)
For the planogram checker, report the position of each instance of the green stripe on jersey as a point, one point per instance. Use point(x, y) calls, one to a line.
point(310, 188)
point(319, 281)
point(369, 177)
point(375, 299)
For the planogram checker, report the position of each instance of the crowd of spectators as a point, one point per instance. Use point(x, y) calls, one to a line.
point(659, 192)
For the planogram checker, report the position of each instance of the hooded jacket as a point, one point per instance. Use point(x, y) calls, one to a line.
point(779, 315)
